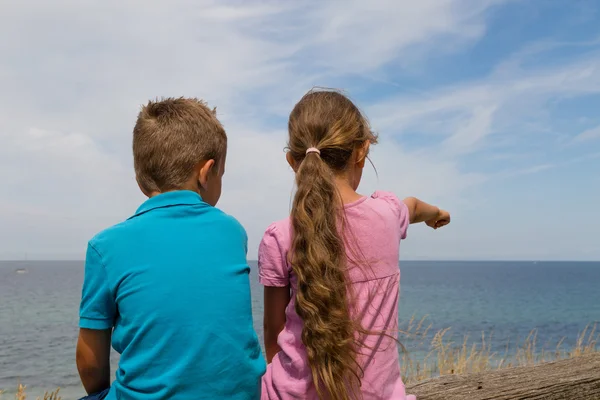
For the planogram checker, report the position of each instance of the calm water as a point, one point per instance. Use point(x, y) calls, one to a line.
point(38, 310)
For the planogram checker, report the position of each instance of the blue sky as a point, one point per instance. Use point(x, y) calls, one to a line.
point(489, 108)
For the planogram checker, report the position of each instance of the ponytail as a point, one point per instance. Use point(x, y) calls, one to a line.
point(318, 259)
point(332, 123)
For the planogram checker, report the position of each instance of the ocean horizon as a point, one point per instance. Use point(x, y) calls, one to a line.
point(505, 299)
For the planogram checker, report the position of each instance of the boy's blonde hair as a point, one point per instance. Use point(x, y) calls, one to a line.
point(171, 136)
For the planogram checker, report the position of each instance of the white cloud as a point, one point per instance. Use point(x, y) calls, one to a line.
point(468, 113)
point(363, 35)
point(472, 130)
point(73, 75)
point(58, 189)
point(588, 134)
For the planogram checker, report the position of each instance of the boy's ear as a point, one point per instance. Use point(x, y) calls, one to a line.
point(291, 161)
point(205, 169)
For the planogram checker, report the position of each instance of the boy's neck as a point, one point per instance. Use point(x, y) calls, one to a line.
point(156, 193)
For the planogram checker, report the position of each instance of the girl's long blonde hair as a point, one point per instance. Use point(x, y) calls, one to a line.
point(329, 121)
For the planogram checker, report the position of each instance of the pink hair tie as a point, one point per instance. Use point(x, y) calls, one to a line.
point(313, 150)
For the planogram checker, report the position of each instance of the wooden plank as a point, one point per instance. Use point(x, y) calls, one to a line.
point(573, 379)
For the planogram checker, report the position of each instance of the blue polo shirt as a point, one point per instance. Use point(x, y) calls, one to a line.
point(172, 282)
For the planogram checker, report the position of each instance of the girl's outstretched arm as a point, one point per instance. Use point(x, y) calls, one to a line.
point(276, 300)
point(419, 211)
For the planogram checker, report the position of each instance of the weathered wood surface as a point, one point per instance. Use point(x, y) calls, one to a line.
point(573, 379)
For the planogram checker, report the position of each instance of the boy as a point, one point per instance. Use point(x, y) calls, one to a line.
point(170, 285)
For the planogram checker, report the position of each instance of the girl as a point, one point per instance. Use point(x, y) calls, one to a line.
point(330, 270)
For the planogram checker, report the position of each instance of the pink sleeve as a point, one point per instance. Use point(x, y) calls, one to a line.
point(272, 266)
point(399, 208)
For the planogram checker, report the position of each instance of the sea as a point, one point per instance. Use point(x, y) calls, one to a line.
point(505, 300)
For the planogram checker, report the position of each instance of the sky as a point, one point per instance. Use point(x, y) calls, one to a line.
point(487, 108)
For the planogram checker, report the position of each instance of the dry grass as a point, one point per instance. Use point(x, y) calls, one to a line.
point(445, 356)
point(21, 395)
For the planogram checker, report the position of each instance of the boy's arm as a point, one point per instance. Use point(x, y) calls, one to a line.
point(97, 313)
point(93, 359)
point(419, 211)
point(276, 300)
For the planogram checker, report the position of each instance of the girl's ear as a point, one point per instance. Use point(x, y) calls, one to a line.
point(291, 161)
point(362, 153)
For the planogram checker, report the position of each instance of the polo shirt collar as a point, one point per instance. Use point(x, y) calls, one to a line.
point(169, 199)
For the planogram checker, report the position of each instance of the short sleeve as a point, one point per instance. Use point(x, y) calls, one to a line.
point(97, 309)
point(242, 231)
point(272, 265)
point(399, 208)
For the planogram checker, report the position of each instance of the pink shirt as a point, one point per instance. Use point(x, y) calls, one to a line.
point(374, 227)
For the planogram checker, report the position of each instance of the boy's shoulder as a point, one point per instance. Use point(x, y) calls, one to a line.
point(130, 227)
point(229, 221)
point(116, 231)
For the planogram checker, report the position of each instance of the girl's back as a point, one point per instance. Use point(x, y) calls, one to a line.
point(331, 269)
point(373, 228)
